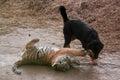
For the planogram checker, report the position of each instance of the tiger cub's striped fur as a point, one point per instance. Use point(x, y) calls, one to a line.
point(60, 59)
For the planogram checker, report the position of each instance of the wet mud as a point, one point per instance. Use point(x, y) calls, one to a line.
point(12, 45)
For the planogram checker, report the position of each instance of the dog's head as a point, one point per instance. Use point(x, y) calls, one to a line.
point(96, 47)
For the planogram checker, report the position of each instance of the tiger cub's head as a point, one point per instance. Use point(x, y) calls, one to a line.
point(62, 63)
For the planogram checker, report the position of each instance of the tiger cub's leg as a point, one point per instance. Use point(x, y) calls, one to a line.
point(31, 43)
point(16, 65)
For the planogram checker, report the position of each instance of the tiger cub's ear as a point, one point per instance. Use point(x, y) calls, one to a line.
point(31, 43)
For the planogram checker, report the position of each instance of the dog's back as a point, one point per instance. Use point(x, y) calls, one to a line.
point(77, 27)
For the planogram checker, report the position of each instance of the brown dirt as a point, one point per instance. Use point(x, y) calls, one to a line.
point(41, 19)
point(102, 15)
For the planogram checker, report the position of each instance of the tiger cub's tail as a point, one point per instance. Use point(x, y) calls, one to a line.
point(15, 67)
point(31, 43)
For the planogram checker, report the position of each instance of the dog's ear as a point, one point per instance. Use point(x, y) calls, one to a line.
point(95, 43)
point(90, 45)
point(96, 46)
point(101, 46)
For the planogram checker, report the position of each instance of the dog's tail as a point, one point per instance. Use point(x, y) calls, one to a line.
point(63, 13)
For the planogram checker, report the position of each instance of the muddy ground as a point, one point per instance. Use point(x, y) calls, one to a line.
point(12, 45)
point(17, 27)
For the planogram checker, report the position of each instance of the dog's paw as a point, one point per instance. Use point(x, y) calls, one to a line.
point(94, 62)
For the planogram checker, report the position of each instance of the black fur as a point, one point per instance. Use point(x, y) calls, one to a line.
point(78, 29)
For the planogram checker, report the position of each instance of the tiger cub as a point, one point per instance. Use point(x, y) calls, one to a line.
point(59, 59)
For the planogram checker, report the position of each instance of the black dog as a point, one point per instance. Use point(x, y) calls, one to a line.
point(77, 29)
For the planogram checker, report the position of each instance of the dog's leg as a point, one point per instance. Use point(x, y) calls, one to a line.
point(67, 41)
point(67, 45)
point(73, 38)
point(91, 54)
point(94, 62)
